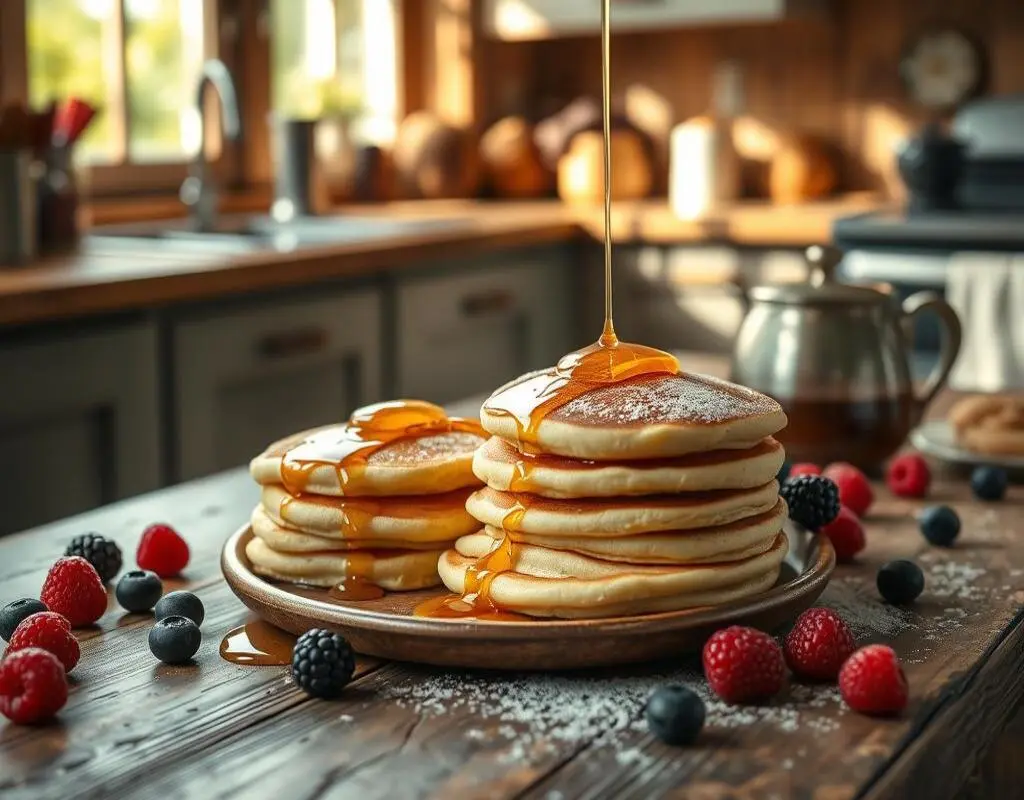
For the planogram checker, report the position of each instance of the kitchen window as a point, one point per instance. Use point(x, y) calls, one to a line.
point(337, 58)
point(138, 61)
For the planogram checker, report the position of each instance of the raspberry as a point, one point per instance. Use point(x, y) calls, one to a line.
point(743, 664)
point(909, 476)
point(32, 686)
point(73, 589)
point(804, 468)
point(818, 644)
point(49, 632)
point(872, 681)
point(162, 550)
point(846, 534)
point(854, 489)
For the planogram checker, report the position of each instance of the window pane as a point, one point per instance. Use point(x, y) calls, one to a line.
point(334, 57)
point(66, 40)
point(163, 58)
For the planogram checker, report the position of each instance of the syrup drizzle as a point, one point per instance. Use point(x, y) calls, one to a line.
point(347, 448)
point(257, 644)
point(528, 402)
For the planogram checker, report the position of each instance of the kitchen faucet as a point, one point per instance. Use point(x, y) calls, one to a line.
point(198, 191)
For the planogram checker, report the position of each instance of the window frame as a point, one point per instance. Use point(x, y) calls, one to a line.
point(122, 176)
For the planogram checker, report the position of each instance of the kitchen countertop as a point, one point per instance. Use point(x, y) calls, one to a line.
point(100, 279)
point(941, 231)
point(134, 728)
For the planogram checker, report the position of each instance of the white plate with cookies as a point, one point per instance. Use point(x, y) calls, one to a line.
point(980, 429)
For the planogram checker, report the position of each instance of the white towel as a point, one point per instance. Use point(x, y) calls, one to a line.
point(987, 292)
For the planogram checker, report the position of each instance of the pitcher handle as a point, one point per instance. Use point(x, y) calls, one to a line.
point(950, 347)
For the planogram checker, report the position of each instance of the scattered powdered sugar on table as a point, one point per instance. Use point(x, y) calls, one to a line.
point(959, 581)
point(537, 713)
point(868, 616)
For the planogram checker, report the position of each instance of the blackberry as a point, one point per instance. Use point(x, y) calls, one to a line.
point(900, 582)
point(675, 714)
point(813, 500)
point(13, 614)
point(180, 604)
point(174, 640)
point(99, 551)
point(322, 663)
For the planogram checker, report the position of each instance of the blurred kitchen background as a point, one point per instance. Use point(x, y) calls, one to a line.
point(222, 221)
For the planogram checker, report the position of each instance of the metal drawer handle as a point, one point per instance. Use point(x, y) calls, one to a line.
point(288, 344)
point(492, 301)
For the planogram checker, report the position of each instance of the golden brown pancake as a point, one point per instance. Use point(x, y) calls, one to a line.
point(428, 518)
point(432, 464)
point(654, 416)
point(289, 540)
point(551, 583)
point(730, 542)
point(619, 516)
point(502, 466)
point(394, 570)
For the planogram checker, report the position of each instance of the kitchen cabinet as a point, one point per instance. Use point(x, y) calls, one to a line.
point(247, 376)
point(79, 421)
point(468, 331)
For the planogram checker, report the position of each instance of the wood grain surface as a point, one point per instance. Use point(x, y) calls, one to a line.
point(136, 728)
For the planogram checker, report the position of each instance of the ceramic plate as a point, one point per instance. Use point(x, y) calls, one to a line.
point(936, 439)
point(387, 629)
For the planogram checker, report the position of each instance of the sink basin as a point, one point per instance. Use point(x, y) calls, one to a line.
point(236, 234)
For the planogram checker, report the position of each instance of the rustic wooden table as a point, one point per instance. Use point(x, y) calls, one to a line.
point(136, 728)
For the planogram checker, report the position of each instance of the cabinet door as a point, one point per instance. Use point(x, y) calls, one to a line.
point(248, 376)
point(79, 423)
point(467, 333)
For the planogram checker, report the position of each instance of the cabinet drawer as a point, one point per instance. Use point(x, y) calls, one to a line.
point(465, 334)
point(79, 423)
point(246, 377)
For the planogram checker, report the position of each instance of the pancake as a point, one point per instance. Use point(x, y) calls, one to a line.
point(731, 542)
point(500, 465)
point(430, 518)
point(616, 517)
point(432, 464)
point(396, 570)
point(653, 416)
point(552, 583)
point(288, 540)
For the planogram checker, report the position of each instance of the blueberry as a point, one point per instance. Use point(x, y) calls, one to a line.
point(181, 604)
point(900, 582)
point(138, 590)
point(12, 614)
point(174, 640)
point(940, 525)
point(675, 714)
point(989, 483)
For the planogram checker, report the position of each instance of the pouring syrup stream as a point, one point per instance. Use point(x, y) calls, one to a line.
point(532, 399)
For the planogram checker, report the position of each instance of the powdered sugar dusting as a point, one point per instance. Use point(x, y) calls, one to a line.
point(867, 615)
point(538, 714)
point(666, 399)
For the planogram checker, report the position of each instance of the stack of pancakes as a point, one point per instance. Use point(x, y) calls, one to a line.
point(323, 520)
point(653, 494)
